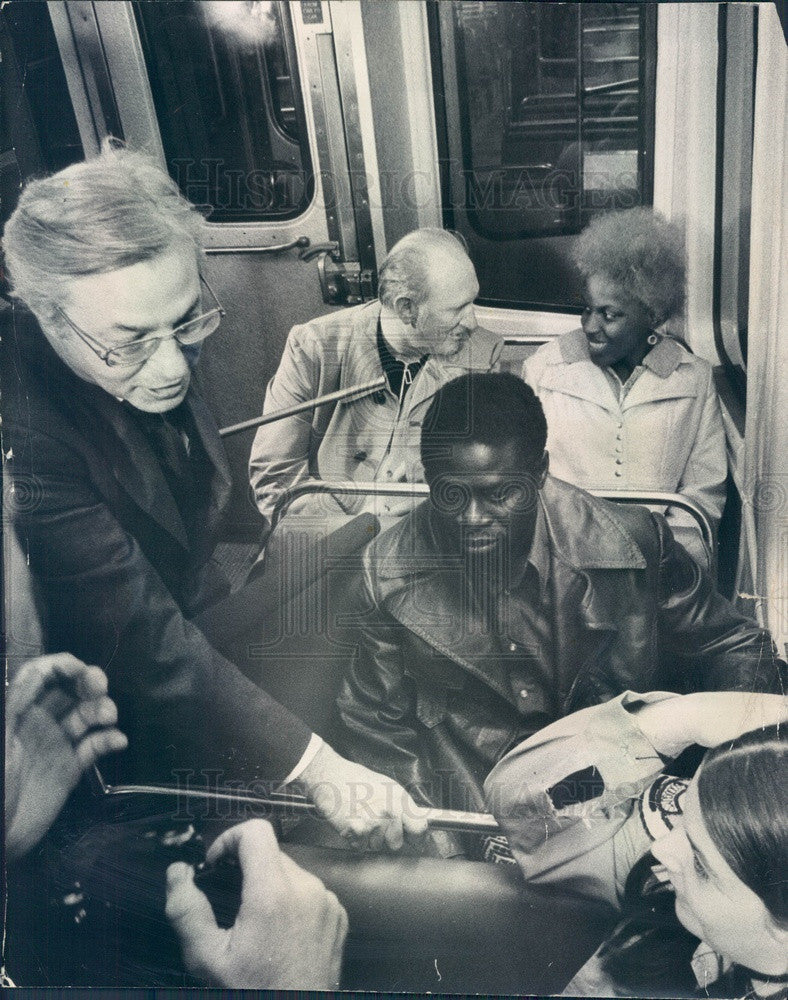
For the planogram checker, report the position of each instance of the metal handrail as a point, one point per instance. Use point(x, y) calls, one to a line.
point(352, 391)
point(353, 488)
point(513, 339)
point(282, 804)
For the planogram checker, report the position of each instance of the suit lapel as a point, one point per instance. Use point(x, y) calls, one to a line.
point(136, 468)
point(221, 479)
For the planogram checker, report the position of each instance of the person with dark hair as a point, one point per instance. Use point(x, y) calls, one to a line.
point(121, 481)
point(698, 866)
point(420, 333)
point(510, 599)
point(629, 406)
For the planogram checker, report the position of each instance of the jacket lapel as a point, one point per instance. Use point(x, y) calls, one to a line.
point(582, 380)
point(362, 356)
point(455, 628)
point(587, 605)
point(432, 601)
point(429, 379)
point(650, 387)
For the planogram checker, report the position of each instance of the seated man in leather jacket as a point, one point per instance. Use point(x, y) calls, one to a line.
point(510, 599)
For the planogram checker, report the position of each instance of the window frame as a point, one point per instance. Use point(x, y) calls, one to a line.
point(115, 37)
point(454, 149)
point(156, 72)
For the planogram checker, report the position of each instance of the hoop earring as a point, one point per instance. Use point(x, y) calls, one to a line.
point(653, 339)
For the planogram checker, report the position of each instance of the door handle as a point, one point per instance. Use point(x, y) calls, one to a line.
point(300, 243)
point(332, 247)
point(343, 283)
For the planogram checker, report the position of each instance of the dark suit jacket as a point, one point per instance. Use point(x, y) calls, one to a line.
point(121, 575)
point(435, 698)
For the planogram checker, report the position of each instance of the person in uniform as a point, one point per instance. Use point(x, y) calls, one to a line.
point(589, 806)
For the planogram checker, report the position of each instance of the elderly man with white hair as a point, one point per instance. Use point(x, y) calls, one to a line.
point(120, 483)
point(420, 334)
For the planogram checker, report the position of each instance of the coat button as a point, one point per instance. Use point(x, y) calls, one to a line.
point(619, 461)
point(360, 456)
point(619, 472)
point(523, 693)
point(512, 647)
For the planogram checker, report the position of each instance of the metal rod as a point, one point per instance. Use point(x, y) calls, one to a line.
point(309, 404)
point(352, 487)
point(437, 819)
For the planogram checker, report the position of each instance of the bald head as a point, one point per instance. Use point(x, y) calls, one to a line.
point(429, 283)
point(413, 263)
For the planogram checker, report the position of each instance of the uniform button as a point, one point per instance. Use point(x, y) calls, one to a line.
point(360, 456)
point(619, 461)
point(618, 436)
point(512, 647)
point(523, 692)
point(619, 472)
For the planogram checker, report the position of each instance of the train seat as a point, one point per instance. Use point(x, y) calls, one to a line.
point(416, 924)
point(294, 645)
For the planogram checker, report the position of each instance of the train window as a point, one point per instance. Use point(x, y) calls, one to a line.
point(225, 84)
point(547, 112)
point(39, 129)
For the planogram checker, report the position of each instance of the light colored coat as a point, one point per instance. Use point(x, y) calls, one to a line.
point(361, 439)
point(666, 434)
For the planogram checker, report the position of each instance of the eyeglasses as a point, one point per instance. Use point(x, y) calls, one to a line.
point(137, 352)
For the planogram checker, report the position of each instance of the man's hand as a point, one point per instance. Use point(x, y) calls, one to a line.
point(289, 932)
point(367, 808)
point(59, 721)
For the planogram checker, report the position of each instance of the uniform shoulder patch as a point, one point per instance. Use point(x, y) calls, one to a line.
point(661, 804)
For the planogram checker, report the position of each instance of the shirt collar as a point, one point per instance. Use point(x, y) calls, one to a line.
point(387, 359)
point(663, 359)
point(538, 557)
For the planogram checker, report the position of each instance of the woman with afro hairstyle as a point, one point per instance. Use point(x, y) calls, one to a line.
point(628, 405)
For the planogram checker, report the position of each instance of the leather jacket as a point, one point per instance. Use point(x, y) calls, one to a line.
point(434, 699)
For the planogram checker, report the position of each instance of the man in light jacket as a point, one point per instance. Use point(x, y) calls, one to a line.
point(420, 334)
